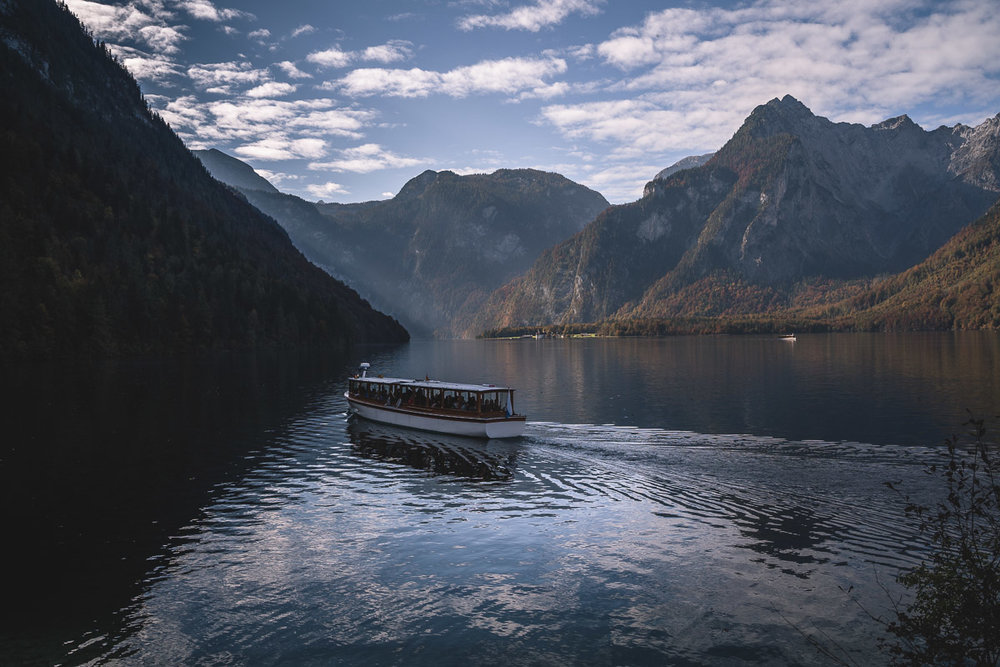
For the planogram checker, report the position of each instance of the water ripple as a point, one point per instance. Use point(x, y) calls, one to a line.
point(629, 545)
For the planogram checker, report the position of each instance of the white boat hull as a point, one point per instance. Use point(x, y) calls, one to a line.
point(476, 427)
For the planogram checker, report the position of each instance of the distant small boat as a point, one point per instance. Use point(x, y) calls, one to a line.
point(476, 410)
point(788, 337)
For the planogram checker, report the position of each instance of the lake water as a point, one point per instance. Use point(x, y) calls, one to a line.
point(691, 501)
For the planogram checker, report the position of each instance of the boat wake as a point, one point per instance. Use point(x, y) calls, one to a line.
point(792, 501)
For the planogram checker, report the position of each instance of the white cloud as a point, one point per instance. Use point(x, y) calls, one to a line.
point(162, 39)
point(510, 76)
point(391, 82)
point(128, 23)
point(640, 127)
point(619, 182)
point(365, 159)
point(326, 190)
point(261, 35)
point(282, 148)
point(292, 70)
point(332, 57)
point(389, 52)
point(185, 114)
point(266, 128)
point(834, 56)
point(692, 75)
point(542, 14)
point(276, 178)
point(341, 122)
point(207, 11)
point(304, 29)
point(125, 21)
point(220, 77)
point(146, 67)
point(272, 89)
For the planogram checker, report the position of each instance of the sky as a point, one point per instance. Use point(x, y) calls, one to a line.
point(347, 101)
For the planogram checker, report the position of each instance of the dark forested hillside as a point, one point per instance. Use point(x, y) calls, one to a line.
point(113, 237)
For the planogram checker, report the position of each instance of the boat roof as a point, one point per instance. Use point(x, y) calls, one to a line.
point(435, 384)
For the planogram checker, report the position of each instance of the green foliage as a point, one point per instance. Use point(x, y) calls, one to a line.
point(954, 616)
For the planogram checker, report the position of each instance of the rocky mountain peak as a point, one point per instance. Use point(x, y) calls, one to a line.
point(902, 123)
point(779, 116)
point(977, 159)
point(789, 105)
point(787, 109)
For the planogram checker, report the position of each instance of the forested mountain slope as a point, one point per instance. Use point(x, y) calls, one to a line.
point(958, 287)
point(114, 238)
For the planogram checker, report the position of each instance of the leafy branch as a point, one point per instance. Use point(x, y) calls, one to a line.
point(954, 614)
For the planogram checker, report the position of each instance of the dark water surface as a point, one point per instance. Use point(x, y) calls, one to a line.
point(674, 501)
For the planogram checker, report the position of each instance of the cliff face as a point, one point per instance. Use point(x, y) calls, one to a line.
point(841, 200)
point(791, 196)
point(114, 238)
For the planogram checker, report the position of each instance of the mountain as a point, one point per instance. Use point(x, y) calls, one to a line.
point(791, 197)
point(433, 253)
point(233, 172)
point(115, 239)
point(958, 287)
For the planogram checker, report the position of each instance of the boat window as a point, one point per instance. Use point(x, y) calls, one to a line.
point(491, 403)
point(467, 401)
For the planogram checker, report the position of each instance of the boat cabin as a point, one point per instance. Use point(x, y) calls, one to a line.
point(469, 400)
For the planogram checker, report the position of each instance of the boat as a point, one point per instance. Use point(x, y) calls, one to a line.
point(475, 410)
point(790, 338)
